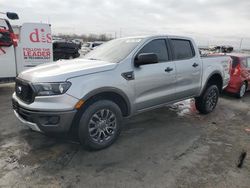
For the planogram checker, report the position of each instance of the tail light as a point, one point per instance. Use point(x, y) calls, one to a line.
point(227, 65)
point(237, 70)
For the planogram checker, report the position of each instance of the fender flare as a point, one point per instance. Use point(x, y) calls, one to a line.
point(209, 77)
point(111, 90)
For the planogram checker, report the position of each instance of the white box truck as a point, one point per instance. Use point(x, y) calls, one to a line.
point(23, 47)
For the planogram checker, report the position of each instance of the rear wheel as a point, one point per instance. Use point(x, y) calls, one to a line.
point(207, 102)
point(100, 125)
point(242, 90)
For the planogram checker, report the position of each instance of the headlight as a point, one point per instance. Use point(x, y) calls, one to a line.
point(46, 89)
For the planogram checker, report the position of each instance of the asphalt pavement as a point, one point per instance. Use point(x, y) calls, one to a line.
point(174, 146)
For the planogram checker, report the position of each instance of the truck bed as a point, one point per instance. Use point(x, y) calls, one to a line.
point(216, 61)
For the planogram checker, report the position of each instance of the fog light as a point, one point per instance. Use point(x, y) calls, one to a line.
point(49, 120)
point(54, 120)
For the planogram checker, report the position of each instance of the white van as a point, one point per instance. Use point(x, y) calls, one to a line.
point(23, 47)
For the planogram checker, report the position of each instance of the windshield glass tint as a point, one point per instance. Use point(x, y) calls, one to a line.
point(114, 50)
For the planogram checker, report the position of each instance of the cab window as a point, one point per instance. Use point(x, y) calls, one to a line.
point(158, 47)
point(248, 62)
point(183, 49)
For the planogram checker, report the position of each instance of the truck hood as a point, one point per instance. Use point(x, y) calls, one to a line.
point(62, 70)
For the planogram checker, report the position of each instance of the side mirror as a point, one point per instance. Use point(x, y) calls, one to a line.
point(145, 59)
point(5, 38)
point(12, 16)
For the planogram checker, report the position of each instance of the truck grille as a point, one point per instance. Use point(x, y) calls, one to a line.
point(24, 91)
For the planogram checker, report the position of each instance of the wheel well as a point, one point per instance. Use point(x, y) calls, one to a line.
point(246, 83)
point(215, 79)
point(112, 96)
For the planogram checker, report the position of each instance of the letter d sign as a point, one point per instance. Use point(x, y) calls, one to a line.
point(34, 36)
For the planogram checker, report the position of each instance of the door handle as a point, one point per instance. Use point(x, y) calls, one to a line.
point(195, 65)
point(169, 69)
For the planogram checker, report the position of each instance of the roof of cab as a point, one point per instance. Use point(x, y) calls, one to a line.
point(158, 36)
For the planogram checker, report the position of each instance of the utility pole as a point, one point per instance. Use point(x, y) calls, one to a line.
point(241, 40)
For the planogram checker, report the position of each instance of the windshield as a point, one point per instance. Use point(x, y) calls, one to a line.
point(114, 50)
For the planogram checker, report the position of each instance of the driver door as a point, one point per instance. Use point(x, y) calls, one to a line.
point(155, 83)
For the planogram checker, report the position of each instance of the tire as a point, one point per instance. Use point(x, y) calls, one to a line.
point(207, 102)
point(70, 57)
point(100, 125)
point(242, 90)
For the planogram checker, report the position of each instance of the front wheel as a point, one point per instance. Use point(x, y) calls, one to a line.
point(207, 102)
point(100, 125)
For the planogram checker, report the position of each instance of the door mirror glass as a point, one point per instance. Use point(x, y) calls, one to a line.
point(12, 16)
point(145, 59)
point(5, 38)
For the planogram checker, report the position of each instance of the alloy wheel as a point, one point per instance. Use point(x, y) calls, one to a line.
point(102, 126)
point(211, 99)
point(242, 90)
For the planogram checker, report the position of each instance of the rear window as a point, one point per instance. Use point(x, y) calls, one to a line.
point(235, 61)
point(248, 62)
point(243, 60)
point(183, 49)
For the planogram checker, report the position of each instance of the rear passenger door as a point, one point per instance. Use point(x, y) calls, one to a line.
point(154, 83)
point(188, 68)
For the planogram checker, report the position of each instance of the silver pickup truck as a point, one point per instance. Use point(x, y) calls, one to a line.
point(121, 78)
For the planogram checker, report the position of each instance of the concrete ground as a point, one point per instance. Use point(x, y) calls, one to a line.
point(168, 147)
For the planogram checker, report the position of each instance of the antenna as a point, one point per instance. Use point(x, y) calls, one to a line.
point(241, 40)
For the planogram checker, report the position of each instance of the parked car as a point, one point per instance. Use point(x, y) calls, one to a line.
point(119, 79)
point(78, 42)
point(65, 50)
point(222, 49)
point(58, 39)
point(240, 75)
point(87, 47)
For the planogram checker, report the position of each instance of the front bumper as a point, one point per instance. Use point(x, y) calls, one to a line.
point(44, 121)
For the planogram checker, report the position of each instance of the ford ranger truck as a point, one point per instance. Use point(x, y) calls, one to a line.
point(119, 79)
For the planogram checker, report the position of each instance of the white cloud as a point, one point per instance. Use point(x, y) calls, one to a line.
point(205, 20)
